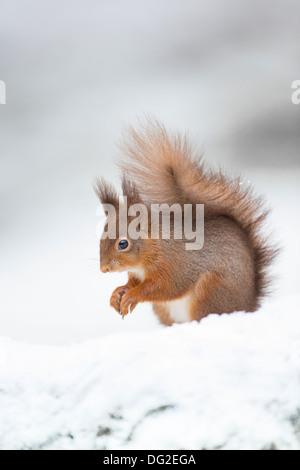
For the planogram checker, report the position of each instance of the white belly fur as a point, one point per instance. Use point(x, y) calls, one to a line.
point(138, 273)
point(179, 309)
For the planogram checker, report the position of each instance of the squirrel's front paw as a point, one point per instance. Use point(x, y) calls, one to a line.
point(116, 297)
point(127, 304)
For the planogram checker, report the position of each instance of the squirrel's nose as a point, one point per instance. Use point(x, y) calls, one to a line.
point(104, 268)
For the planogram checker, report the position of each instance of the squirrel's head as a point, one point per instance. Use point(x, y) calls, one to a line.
point(125, 235)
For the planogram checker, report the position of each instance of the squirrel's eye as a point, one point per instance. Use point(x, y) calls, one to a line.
point(122, 244)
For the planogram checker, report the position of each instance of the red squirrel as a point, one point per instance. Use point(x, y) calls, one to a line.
point(229, 273)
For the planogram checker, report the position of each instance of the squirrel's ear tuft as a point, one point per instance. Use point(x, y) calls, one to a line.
point(130, 190)
point(105, 192)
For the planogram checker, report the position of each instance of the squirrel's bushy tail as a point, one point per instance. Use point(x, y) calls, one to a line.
point(166, 169)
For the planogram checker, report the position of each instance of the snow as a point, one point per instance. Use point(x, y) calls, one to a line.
point(230, 382)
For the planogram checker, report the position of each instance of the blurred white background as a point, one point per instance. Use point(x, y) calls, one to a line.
point(76, 72)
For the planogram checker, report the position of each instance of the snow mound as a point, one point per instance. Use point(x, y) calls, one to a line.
point(230, 382)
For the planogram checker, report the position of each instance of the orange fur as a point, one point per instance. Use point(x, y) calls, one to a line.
point(230, 272)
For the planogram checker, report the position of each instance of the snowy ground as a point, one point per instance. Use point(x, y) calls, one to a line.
point(231, 382)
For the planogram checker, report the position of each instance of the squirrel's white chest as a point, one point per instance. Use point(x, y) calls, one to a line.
point(139, 273)
point(179, 309)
